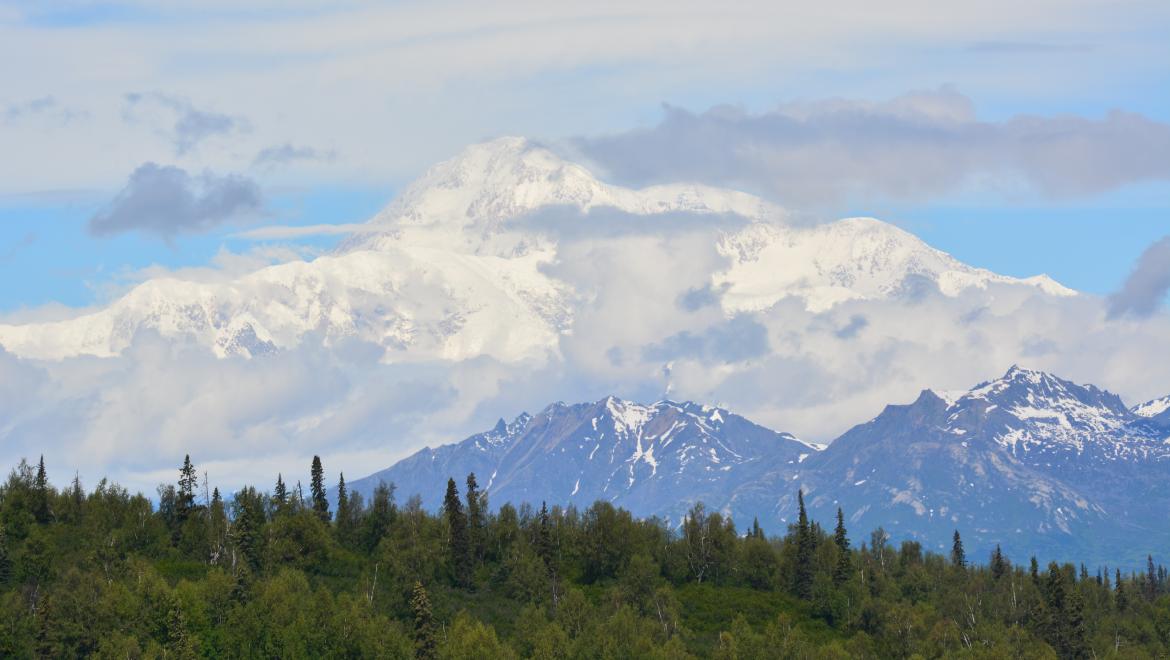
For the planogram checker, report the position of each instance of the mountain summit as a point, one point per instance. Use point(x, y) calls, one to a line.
point(460, 266)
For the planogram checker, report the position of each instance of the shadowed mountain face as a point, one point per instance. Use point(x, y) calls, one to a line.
point(1030, 461)
point(652, 460)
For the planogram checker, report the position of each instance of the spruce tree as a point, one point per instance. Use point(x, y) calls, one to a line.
point(179, 643)
point(279, 494)
point(803, 577)
point(41, 493)
point(425, 644)
point(317, 488)
point(958, 556)
point(999, 565)
point(841, 540)
point(756, 532)
point(1151, 579)
point(1120, 597)
point(344, 514)
point(474, 517)
point(1034, 571)
point(185, 498)
point(544, 545)
point(459, 549)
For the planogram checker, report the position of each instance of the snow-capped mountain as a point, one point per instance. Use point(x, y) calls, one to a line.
point(457, 267)
point(1029, 460)
point(650, 459)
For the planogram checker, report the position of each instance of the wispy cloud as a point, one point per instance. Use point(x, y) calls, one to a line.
point(279, 232)
point(191, 125)
point(165, 200)
point(284, 154)
point(1028, 47)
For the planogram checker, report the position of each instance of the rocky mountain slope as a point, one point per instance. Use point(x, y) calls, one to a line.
point(1029, 460)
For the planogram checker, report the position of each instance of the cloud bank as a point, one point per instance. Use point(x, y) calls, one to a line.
point(164, 200)
point(915, 146)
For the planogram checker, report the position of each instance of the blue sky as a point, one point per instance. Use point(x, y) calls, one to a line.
point(139, 139)
point(371, 95)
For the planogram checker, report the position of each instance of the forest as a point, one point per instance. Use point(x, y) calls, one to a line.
point(285, 573)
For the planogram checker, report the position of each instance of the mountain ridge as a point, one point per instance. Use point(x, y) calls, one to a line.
point(1029, 461)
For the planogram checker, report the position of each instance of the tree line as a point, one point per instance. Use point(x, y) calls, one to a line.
point(283, 573)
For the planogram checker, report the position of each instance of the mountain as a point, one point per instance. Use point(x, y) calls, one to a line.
point(1031, 461)
point(654, 459)
point(458, 267)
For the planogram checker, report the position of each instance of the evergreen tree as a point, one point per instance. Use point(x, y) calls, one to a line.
point(246, 528)
point(958, 556)
point(1151, 579)
point(317, 488)
point(185, 497)
point(425, 642)
point(344, 514)
point(803, 576)
point(1120, 597)
point(999, 565)
point(756, 532)
point(474, 517)
point(841, 540)
point(41, 493)
point(279, 494)
point(458, 546)
point(1034, 571)
point(839, 536)
point(217, 528)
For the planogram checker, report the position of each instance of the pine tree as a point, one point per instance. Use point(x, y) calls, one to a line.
point(474, 517)
point(185, 497)
point(317, 488)
point(958, 556)
point(844, 563)
point(459, 549)
point(425, 644)
point(1034, 571)
point(999, 565)
point(544, 545)
point(756, 532)
point(804, 551)
point(380, 516)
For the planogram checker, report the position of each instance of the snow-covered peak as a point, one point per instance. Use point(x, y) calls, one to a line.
point(468, 201)
point(1152, 408)
point(850, 259)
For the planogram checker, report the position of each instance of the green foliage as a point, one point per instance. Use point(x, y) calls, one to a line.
point(110, 574)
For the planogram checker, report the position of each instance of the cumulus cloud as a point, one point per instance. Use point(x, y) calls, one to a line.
point(1146, 287)
point(191, 125)
point(918, 145)
point(165, 200)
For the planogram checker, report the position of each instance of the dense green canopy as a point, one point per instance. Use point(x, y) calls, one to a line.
point(111, 574)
